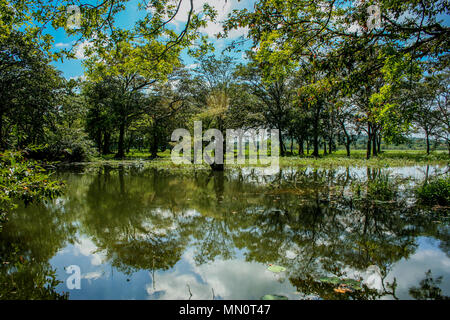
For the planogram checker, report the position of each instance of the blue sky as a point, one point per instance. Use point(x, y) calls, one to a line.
point(72, 68)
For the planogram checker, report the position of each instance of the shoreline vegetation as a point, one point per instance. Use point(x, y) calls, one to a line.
point(431, 191)
point(388, 158)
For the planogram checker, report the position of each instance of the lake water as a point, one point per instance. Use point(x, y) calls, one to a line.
point(140, 233)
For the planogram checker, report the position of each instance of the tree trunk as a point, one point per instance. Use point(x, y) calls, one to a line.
point(369, 140)
point(220, 166)
point(121, 152)
point(106, 143)
point(428, 141)
point(2, 144)
point(280, 141)
point(316, 133)
point(374, 146)
point(292, 146)
point(300, 147)
point(330, 145)
point(154, 146)
point(129, 142)
point(154, 150)
point(98, 140)
point(348, 141)
point(154, 141)
point(324, 147)
point(379, 143)
point(315, 144)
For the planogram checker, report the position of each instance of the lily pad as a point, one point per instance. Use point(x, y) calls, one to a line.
point(333, 280)
point(352, 283)
point(275, 268)
point(274, 297)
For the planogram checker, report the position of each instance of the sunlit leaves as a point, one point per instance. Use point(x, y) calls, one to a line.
point(25, 180)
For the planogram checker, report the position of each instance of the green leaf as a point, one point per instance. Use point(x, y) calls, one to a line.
point(275, 268)
point(333, 280)
point(354, 284)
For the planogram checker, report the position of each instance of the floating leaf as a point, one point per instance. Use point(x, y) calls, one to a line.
point(354, 284)
point(343, 288)
point(274, 297)
point(333, 280)
point(275, 268)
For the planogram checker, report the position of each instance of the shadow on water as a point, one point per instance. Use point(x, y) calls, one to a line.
point(317, 224)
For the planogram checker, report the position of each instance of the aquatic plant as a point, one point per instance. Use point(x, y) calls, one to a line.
point(435, 192)
point(23, 179)
point(381, 188)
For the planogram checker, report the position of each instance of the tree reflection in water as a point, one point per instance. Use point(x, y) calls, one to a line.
point(316, 223)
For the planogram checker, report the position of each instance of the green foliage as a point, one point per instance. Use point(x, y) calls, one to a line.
point(22, 279)
point(332, 41)
point(66, 144)
point(435, 192)
point(315, 72)
point(30, 89)
point(428, 289)
point(380, 188)
point(276, 269)
point(23, 179)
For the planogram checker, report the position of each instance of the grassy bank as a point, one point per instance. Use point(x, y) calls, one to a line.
point(389, 158)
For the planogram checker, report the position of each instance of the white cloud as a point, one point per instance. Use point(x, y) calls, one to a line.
point(62, 45)
point(92, 275)
point(223, 9)
point(230, 279)
point(87, 248)
point(410, 272)
point(192, 66)
point(82, 78)
point(80, 50)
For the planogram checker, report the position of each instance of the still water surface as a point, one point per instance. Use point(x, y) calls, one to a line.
point(139, 233)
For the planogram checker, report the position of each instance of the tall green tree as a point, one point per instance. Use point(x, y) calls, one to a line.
point(30, 89)
point(275, 97)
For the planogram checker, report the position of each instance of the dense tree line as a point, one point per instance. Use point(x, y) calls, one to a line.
point(316, 72)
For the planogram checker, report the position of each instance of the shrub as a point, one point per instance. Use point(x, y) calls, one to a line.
point(435, 192)
point(380, 188)
point(22, 179)
point(67, 144)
